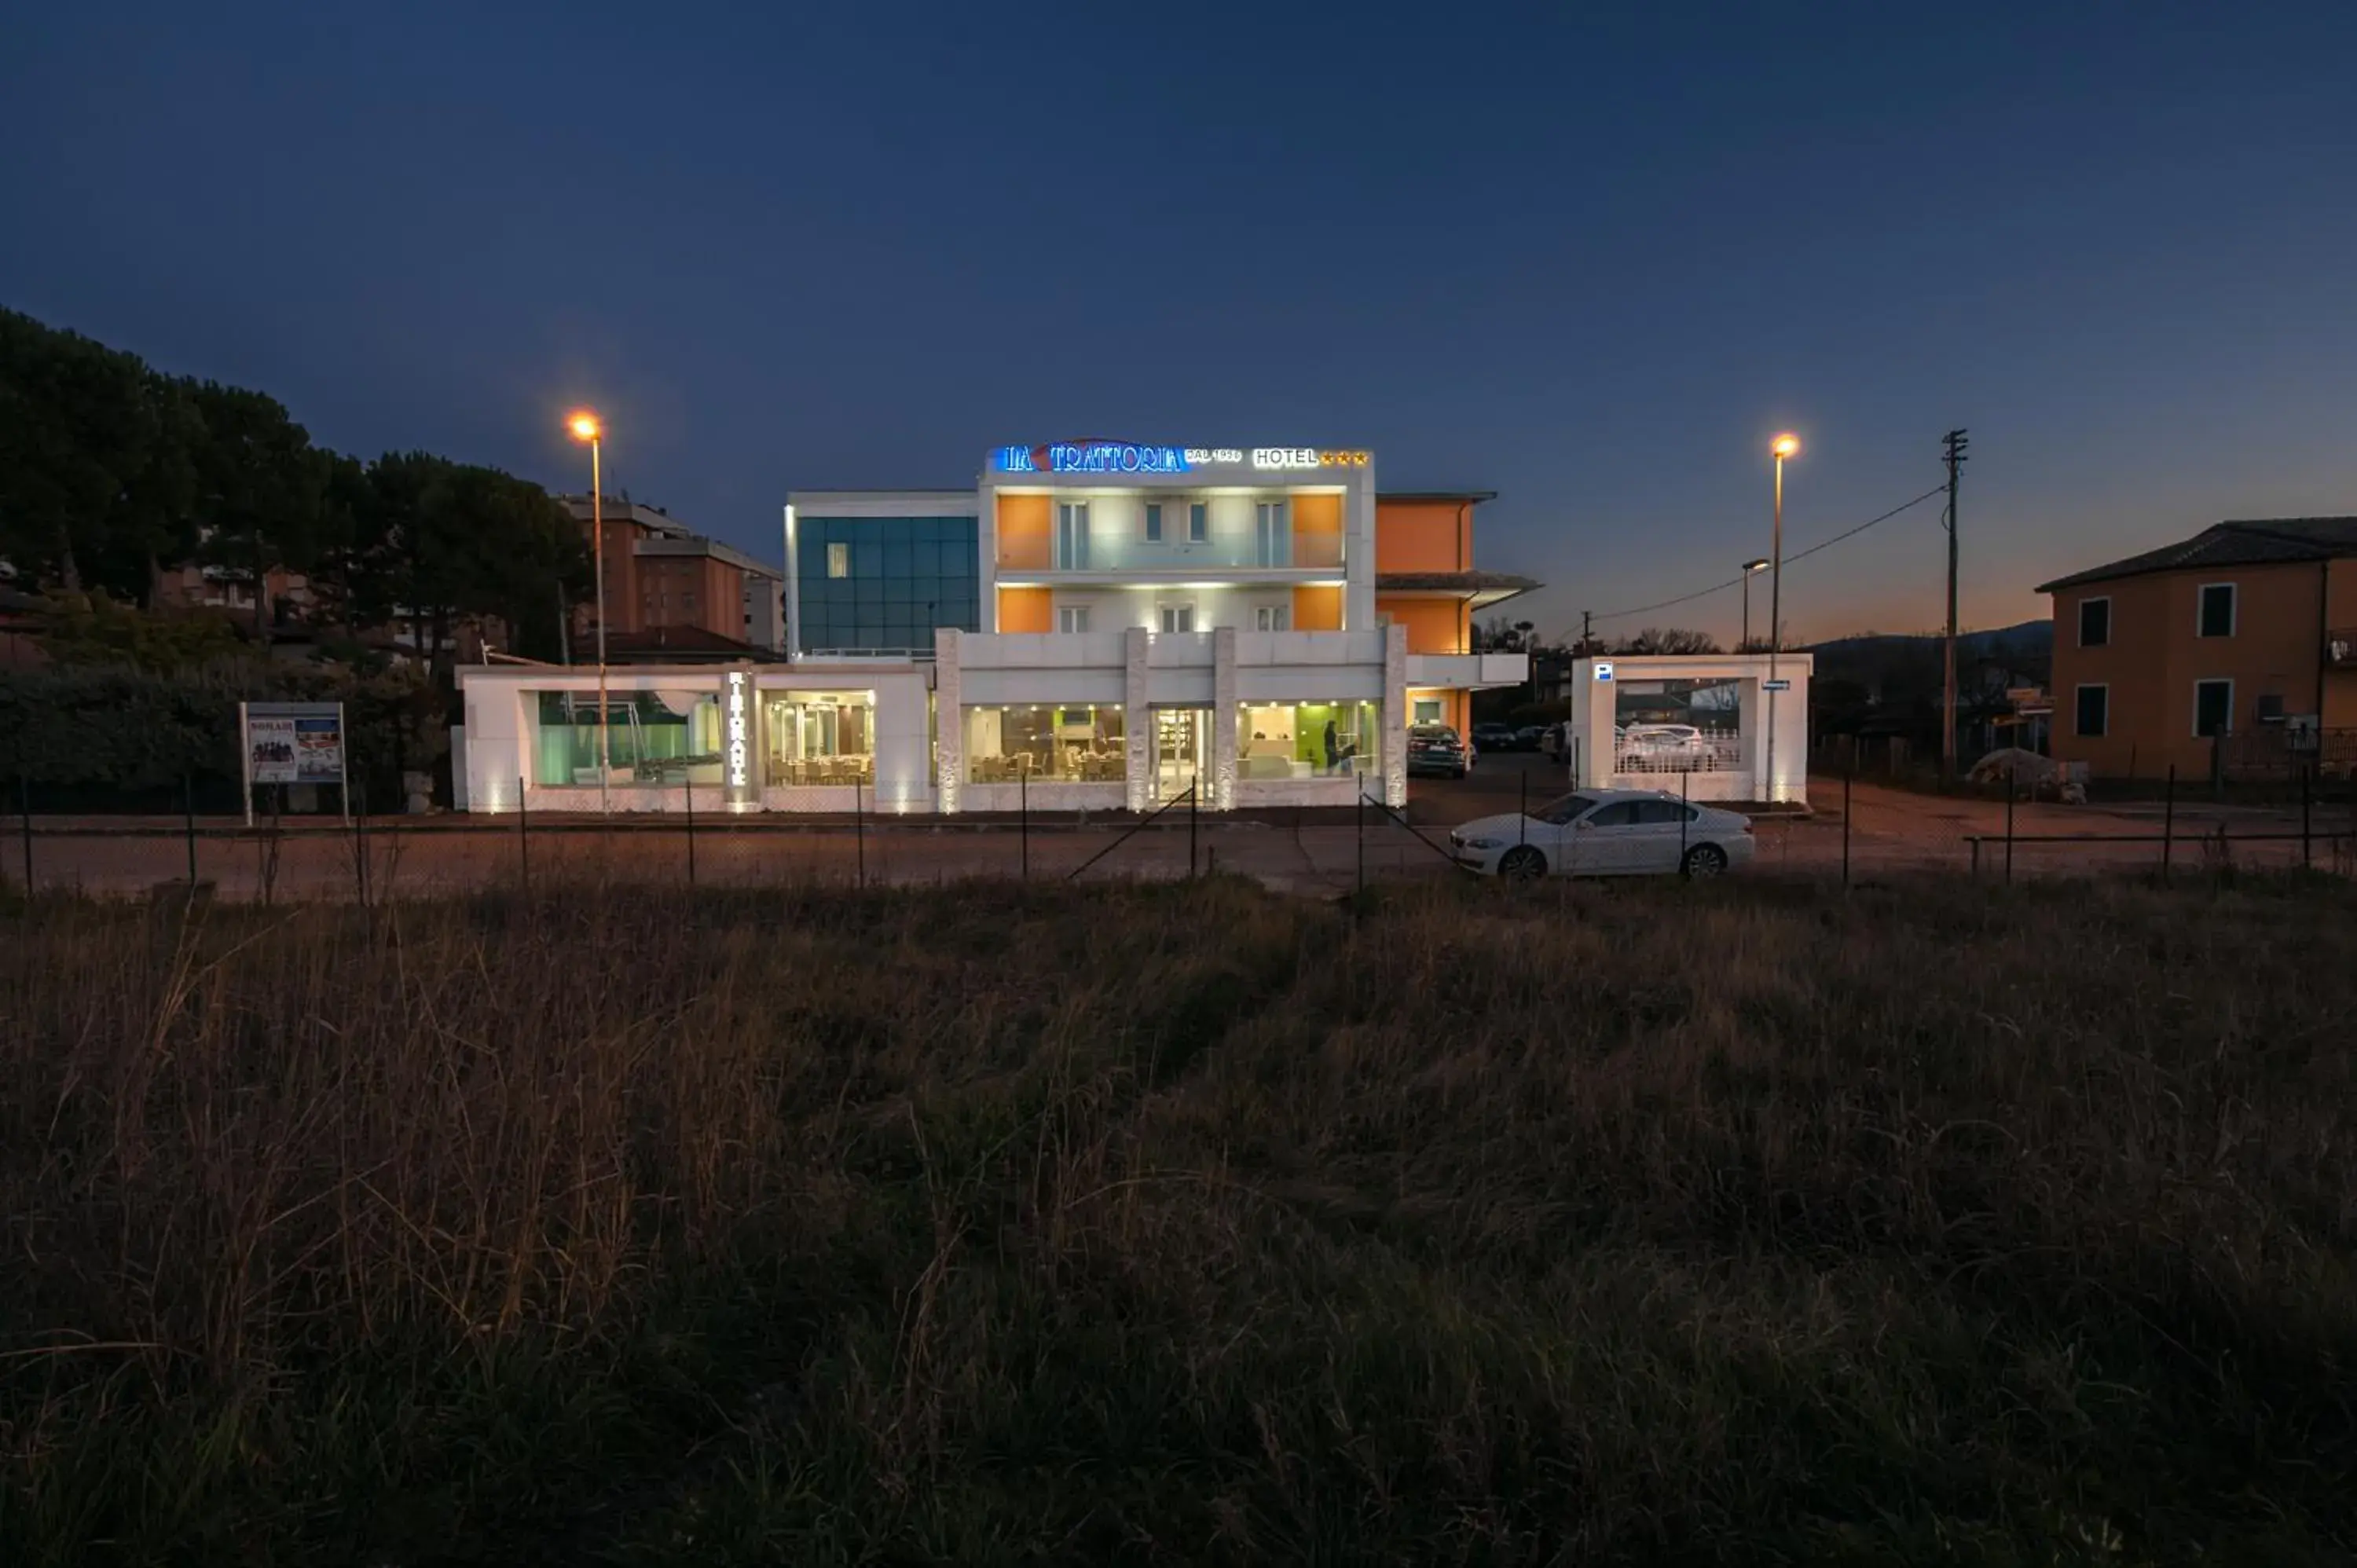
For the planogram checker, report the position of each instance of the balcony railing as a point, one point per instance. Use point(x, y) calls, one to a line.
point(1176, 559)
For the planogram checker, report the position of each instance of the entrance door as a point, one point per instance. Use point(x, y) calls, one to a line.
point(1182, 746)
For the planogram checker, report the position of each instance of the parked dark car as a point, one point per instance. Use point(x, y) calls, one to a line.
point(1527, 737)
point(1494, 738)
point(1435, 752)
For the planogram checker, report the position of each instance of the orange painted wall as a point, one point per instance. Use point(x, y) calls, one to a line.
point(1024, 540)
point(1026, 609)
point(1424, 536)
point(1316, 609)
point(1455, 710)
point(2153, 659)
point(1316, 530)
point(1434, 625)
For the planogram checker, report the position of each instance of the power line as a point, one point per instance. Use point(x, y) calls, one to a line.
point(1941, 488)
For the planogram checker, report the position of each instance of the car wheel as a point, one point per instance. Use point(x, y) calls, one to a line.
point(1705, 860)
point(1522, 863)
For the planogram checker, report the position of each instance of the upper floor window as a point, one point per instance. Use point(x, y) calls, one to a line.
point(1272, 534)
point(1154, 522)
point(1177, 617)
point(838, 560)
point(2094, 622)
point(1072, 535)
point(1199, 522)
point(1072, 617)
point(1271, 618)
point(2217, 610)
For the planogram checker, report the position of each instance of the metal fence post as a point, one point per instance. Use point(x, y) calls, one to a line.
point(2306, 774)
point(1023, 810)
point(523, 836)
point(189, 815)
point(1685, 796)
point(1194, 803)
point(2012, 788)
point(1522, 813)
point(360, 848)
point(2167, 819)
point(688, 788)
point(1849, 776)
point(25, 826)
point(859, 826)
point(1360, 823)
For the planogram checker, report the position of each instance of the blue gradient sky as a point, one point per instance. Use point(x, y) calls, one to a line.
point(1587, 256)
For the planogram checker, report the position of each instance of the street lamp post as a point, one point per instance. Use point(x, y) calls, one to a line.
point(585, 427)
point(1750, 567)
point(1783, 446)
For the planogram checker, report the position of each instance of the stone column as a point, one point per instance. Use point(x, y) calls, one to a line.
point(1223, 720)
point(1137, 718)
point(1395, 716)
point(949, 719)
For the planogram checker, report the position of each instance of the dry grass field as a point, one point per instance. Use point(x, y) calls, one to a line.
point(1186, 1223)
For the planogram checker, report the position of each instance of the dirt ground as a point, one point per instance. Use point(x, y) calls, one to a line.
point(1889, 831)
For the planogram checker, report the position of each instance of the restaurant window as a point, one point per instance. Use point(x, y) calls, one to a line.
point(1277, 741)
point(820, 737)
point(2094, 622)
point(1074, 743)
point(2217, 610)
point(651, 737)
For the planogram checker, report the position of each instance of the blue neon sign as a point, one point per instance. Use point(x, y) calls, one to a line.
point(1091, 457)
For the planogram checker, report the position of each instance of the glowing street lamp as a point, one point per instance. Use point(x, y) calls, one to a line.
point(1785, 445)
point(585, 425)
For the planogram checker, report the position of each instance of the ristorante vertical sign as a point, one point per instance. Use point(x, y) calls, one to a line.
point(736, 746)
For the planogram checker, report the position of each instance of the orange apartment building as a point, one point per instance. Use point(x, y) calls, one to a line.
point(661, 576)
point(2234, 645)
point(1425, 582)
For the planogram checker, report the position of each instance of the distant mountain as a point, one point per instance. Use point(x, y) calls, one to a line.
point(2031, 637)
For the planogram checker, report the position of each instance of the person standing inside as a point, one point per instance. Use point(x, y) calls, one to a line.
point(1332, 755)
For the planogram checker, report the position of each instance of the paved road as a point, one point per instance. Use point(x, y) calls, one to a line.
point(1890, 832)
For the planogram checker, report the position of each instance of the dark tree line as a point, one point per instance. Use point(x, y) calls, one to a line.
point(112, 474)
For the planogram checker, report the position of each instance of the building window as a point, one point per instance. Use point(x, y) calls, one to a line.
point(1272, 534)
point(1177, 617)
point(1154, 522)
point(820, 737)
point(651, 737)
point(2213, 708)
point(2094, 622)
point(1271, 618)
point(1306, 740)
point(1074, 745)
point(1199, 522)
point(1072, 535)
point(2267, 708)
point(1676, 726)
point(2095, 705)
point(2217, 610)
point(839, 559)
point(1428, 711)
point(1072, 617)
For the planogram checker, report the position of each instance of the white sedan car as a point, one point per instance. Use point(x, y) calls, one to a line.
point(1605, 832)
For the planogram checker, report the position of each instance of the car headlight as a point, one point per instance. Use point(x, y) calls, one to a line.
point(1485, 844)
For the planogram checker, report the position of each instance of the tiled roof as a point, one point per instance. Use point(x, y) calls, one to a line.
point(2255, 542)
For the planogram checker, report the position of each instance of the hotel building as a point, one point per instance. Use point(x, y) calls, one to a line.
point(1094, 625)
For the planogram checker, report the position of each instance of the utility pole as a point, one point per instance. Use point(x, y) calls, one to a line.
point(1586, 631)
point(1954, 445)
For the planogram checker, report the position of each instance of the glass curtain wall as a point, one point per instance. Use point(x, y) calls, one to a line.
point(652, 737)
point(820, 737)
point(1073, 744)
point(1308, 740)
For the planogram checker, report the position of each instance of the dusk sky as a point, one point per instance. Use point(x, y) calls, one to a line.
point(1590, 257)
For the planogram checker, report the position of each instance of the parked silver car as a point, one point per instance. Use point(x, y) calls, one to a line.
point(1605, 832)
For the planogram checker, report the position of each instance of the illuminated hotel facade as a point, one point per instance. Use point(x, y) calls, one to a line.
point(1096, 625)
